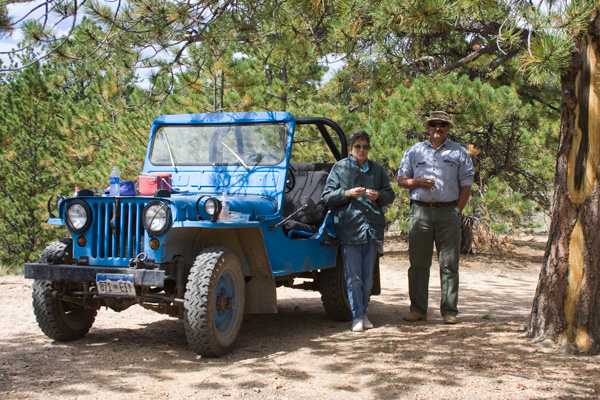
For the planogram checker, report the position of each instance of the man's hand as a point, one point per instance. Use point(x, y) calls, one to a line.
point(426, 183)
point(413, 183)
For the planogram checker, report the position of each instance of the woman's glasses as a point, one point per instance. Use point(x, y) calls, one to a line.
point(438, 124)
point(358, 147)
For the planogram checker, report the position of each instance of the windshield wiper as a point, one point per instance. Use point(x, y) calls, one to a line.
point(236, 156)
point(170, 152)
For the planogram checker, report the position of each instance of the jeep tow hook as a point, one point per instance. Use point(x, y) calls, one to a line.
point(138, 261)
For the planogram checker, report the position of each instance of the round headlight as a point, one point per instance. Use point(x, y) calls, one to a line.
point(157, 218)
point(78, 216)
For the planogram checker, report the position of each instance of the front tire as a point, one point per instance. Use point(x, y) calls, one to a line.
point(214, 302)
point(59, 320)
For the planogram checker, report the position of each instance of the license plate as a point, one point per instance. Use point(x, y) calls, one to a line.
point(115, 285)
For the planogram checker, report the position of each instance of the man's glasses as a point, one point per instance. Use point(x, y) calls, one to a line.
point(438, 124)
point(358, 147)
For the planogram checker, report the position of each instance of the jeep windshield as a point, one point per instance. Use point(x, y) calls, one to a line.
point(248, 145)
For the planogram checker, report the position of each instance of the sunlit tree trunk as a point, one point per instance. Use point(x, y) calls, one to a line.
point(566, 308)
point(466, 235)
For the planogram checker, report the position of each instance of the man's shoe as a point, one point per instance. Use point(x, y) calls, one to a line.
point(367, 324)
point(414, 317)
point(450, 319)
point(357, 325)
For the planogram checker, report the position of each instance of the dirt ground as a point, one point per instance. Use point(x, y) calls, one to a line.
point(301, 354)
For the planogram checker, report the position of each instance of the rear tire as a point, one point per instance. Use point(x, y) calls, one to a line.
point(59, 320)
point(333, 292)
point(214, 302)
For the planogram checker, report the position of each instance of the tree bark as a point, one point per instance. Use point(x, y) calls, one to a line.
point(466, 235)
point(566, 307)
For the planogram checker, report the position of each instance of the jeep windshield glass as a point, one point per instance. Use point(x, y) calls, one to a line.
point(248, 145)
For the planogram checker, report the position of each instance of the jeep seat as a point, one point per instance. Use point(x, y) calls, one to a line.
point(308, 183)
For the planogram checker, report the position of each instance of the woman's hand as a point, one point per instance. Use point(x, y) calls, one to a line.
point(355, 192)
point(372, 194)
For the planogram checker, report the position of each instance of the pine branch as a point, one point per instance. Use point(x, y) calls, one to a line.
point(504, 58)
point(494, 29)
point(479, 27)
point(471, 57)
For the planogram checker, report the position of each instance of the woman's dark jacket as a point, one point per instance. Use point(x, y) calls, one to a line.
point(353, 218)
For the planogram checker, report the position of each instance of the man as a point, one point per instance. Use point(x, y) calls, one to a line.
point(357, 189)
point(438, 174)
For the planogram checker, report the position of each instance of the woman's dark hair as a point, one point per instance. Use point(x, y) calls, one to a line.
point(356, 135)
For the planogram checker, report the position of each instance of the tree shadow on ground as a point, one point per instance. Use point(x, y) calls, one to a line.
point(301, 345)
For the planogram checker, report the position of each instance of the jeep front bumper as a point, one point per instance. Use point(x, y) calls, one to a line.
point(76, 273)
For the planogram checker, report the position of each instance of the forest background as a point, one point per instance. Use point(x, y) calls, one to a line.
point(74, 104)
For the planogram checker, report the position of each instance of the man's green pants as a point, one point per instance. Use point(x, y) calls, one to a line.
point(428, 226)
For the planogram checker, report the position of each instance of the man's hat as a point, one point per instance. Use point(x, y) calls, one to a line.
point(438, 116)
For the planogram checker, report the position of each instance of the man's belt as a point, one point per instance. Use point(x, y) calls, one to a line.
point(435, 204)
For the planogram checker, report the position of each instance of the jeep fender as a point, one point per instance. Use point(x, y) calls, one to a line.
point(248, 244)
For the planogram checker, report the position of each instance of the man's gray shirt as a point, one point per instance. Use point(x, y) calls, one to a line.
point(449, 165)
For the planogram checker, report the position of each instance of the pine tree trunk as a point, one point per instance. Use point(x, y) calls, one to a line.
point(466, 235)
point(566, 308)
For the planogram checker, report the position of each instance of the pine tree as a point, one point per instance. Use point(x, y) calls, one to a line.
point(511, 143)
point(33, 131)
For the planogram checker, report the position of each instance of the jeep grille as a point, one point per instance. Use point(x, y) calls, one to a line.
point(116, 240)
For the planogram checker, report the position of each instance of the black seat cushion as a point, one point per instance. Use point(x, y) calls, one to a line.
point(308, 183)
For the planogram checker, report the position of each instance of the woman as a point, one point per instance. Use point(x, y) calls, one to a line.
point(357, 189)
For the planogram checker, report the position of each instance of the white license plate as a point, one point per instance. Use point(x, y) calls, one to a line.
point(115, 285)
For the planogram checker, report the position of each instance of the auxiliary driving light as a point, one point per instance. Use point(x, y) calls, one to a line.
point(213, 207)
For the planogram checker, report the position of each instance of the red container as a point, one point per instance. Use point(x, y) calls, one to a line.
point(150, 183)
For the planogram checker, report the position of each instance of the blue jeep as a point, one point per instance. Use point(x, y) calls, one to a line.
point(232, 218)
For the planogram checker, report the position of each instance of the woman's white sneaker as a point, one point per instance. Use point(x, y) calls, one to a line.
point(357, 325)
point(367, 324)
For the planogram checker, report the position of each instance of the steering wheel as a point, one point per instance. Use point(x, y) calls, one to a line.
point(290, 181)
point(255, 158)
